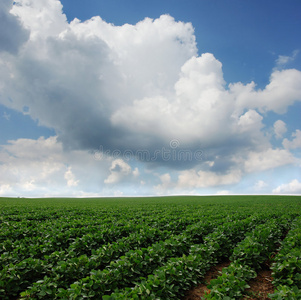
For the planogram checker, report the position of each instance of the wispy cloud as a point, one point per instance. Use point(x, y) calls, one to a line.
point(6, 116)
point(284, 60)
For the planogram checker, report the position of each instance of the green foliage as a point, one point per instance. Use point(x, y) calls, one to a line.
point(231, 283)
point(139, 248)
point(286, 292)
point(287, 265)
point(178, 274)
point(248, 256)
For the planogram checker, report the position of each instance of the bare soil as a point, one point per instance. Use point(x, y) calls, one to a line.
point(260, 286)
point(200, 290)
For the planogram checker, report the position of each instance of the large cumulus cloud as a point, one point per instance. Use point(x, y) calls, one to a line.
point(138, 87)
point(73, 77)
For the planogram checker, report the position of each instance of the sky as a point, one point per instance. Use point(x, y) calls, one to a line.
point(139, 98)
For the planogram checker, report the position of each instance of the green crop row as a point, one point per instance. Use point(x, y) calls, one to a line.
point(80, 240)
point(145, 248)
point(248, 256)
point(133, 263)
point(287, 266)
point(64, 265)
point(37, 247)
point(178, 274)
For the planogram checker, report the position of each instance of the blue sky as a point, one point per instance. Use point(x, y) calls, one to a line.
point(109, 98)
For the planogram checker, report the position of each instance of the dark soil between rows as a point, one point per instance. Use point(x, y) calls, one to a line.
point(200, 290)
point(260, 287)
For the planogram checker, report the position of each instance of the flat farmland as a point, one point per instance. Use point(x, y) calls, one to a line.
point(149, 248)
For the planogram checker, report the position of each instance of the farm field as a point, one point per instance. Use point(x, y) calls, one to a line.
point(148, 248)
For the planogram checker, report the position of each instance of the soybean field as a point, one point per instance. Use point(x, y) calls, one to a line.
point(149, 248)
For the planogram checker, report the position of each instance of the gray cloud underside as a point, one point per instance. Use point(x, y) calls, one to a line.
point(12, 33)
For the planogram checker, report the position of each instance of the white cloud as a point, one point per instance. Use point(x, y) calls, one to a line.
point(119, 171)
point(267, 159)
point(295, 143)
point(282, 91)
point(260, 185)
point(42, 167)
point(28, 164)
point(249, 125)
point(293, 187)
point(279, 129)
point(136, 172)
point(248, 120)
point(70, 178)
point(201, 110)
point(198, 103)
point(202, 179)
point(282, 60)
point(165, 184)
point(39, 149)
point(41, 17)
point(5, 189)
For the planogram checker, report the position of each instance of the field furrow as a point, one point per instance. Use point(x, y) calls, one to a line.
point(145, 248)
